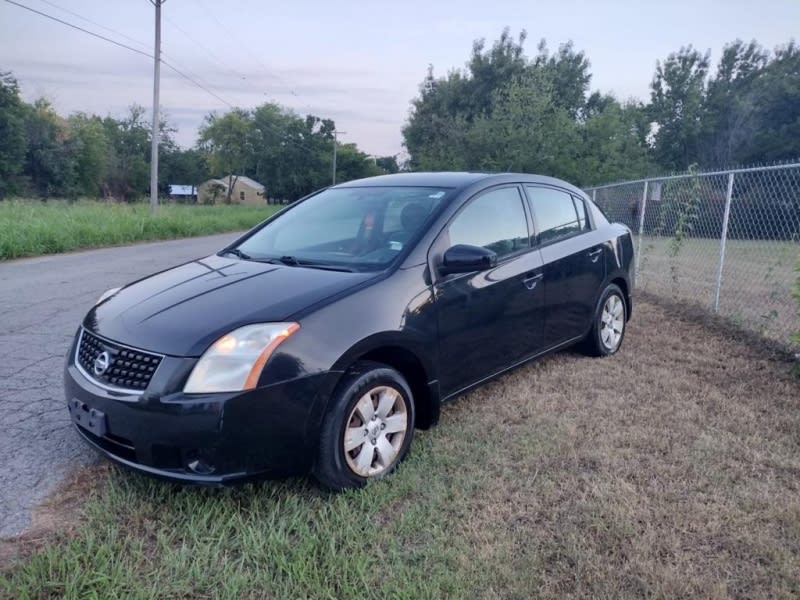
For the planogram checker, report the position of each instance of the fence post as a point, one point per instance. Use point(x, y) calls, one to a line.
point(726, 215)
point(641, 228)
point(594, 196)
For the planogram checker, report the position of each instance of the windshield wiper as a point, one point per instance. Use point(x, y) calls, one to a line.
point(292, 261)
point(237, 253)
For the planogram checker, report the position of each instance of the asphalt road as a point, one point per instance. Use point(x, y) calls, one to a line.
point(42, 301)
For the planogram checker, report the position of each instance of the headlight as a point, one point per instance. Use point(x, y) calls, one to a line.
point(234, 362)
point(107, 294)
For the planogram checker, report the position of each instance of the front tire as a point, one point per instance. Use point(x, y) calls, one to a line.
point(608, 324)
point(368, 428)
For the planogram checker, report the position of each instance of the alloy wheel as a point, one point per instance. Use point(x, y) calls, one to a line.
point(612, 322)
point(375, 431)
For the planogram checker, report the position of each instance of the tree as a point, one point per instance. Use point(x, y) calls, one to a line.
point(568, 73)
point(12, 133)
point(387, 164)
point(676, 107)
point(447, 107)
point(226, 139)
point(613, 141)
point(49, 161)
point(129, 155)
point(291, 154)
point(506, 112)
point(351, 163)
point(777, 94)
point(731, 106)
point(526, 131)
point(90, 149)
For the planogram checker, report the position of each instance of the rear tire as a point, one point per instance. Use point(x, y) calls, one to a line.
point(608, 324)
point(368, 428)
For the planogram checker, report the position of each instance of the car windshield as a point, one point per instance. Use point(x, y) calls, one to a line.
point(359, 228)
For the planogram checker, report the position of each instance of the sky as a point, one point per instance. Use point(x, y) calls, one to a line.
point(358, 62)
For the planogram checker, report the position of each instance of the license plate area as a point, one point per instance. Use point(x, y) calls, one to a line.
point(89, 418)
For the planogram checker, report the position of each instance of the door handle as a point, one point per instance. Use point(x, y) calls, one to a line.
point(531, 281)
point(595, 254)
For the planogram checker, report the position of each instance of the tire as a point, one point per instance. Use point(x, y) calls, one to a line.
point(608, 323)
point(355, 446)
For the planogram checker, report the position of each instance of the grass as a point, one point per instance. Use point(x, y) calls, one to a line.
point(757, 279)
point(669, 470)
point(29, 228)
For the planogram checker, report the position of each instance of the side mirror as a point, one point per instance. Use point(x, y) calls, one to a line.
point(463, 258)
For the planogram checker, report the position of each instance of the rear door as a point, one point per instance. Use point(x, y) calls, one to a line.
point(574, 265)
point(488, 320)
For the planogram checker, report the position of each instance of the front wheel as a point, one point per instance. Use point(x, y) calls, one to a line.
point(368, 428)
point(608, 325)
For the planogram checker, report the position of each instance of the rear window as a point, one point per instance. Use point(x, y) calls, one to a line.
point(555, 214)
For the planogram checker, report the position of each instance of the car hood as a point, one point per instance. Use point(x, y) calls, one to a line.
point(183, 310)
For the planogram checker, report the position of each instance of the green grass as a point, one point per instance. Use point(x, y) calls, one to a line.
point(669, 470)
point(148, 539)
point(757, 279)
point(29, 228)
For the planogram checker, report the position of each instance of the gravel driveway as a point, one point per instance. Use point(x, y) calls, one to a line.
point(42, 301)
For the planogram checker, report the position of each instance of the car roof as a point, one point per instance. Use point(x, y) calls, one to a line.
point(450, 179)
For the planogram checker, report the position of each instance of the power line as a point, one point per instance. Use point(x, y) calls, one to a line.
point(96, 24)
point(68, 24)
point(116, 43)
point(192, 79)
point(247, 48)
point(197, 83)
point(150, 56)
point(202, 47)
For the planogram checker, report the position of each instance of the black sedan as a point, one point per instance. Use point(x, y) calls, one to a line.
point(320, 339)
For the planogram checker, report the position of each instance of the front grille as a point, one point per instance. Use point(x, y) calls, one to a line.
point(127, 368)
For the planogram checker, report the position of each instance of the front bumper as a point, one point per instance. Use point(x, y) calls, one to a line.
point(211, 439)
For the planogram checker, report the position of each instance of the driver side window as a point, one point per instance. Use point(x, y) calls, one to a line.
point(495, 220)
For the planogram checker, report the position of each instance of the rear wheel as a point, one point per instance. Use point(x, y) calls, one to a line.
point(608, 326)
point(368, 428)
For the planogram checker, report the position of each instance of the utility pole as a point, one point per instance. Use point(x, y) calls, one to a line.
point(156, 124)
point(335, 143)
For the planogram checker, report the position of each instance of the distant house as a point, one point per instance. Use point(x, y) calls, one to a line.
point(183, 192)
point(245, 191)
point(212, 191)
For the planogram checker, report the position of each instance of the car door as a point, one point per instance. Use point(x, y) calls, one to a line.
point(574, 265)
point(490, 319)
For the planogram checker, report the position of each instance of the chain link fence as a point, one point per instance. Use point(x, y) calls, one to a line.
point(727, 240)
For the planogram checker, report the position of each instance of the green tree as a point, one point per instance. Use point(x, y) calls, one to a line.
point(448, 106)
point(182, 167)
point(49, 161)
point(613, 141)
point(90, 149)
point(387, 164)
point(351, 163)
point(12, 133)
point(777, 94)
point(537, 117)
point(676, 107)
point(129, 155)
point(732, 105)
point(527, 130)
point(227, 139)
point(568, 74)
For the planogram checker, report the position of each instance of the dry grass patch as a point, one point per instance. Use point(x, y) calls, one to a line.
point(669, 470)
